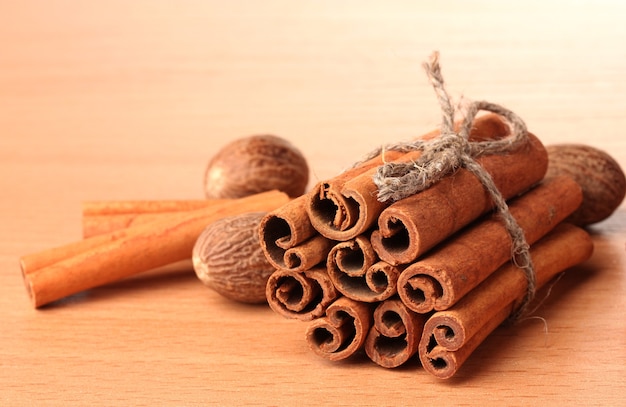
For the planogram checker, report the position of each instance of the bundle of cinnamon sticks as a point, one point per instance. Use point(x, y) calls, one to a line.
point(429, 275)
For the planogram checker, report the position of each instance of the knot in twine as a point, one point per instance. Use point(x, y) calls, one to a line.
point(450, 151)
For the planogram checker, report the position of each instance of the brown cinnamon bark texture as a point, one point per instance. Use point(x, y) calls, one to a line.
point(357, 273)
point(286, 228)
point(450, 336)
point(377, 283)
point(411, 226)
point(342, 331)
point(300, 295)
point(62, 271)
point(346, 206)
point(308, 254)
point(95, 208)
point(99, 217)
point(352, 257)
point(395, 334)
point(446, 274)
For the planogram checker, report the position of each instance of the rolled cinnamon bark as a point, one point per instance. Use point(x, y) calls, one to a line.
point(100, 217)
point(308, 254)
point(342, 331)
point(352, 257)
point(284, 229)
point(411, 226)
point(450, 336)
point(97, 208)
point(354, 269)
point(346, 206)
point(445, 275)
point(377, 283)
point(56, 273)
point(395, 334)
point(94, 225)
point(300, 295)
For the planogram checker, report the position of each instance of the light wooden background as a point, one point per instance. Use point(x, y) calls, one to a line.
point(129, 99)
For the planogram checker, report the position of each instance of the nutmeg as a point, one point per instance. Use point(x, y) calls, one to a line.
point(227, 257)
point(602, 180)
point(256, 164)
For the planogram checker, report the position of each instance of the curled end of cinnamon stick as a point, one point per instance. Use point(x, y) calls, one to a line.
point(342, 331)
point(440, 362)
point(377, 283)
point(344, 211)
point(300, 295)
point(308, 254)
point(446, 330)
point(419, 291)
point(354, 270)
point(332, 214)
point(283, 229)
point(392, 240)
point(394, 337)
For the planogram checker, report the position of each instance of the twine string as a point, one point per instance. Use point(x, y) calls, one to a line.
point(451, 151)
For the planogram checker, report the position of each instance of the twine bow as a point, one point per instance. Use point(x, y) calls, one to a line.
point(449, 152)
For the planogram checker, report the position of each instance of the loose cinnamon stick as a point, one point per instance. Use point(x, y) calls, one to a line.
point(342, 331)
point(356, 272)
point(94, 225)
point(300, 295)
point(346, 206)
point(442, 277)
point(56, 273)
point(99, 217)
point(410, 227)
point(96, 208)
point(449, 337)
point(394, 337)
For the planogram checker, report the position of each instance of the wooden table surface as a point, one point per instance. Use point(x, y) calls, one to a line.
point(128, 100)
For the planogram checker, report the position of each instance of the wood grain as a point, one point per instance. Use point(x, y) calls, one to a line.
point(128, 100)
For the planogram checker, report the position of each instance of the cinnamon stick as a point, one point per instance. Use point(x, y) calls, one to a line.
point(99, 217)
point(283, 229)
point(346, 206)
point(395, 334)
point(97, 208)
point(56, 273)
point(342, 331)
point(376, 283)
point(300, 295)
point(442, 277)
point(450, 336)
point(410, 227)
point(308, 254)
point(356, 272)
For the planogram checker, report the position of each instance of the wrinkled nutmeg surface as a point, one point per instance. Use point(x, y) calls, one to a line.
point(602, 180)
point(227, 257)
point(256, 164)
